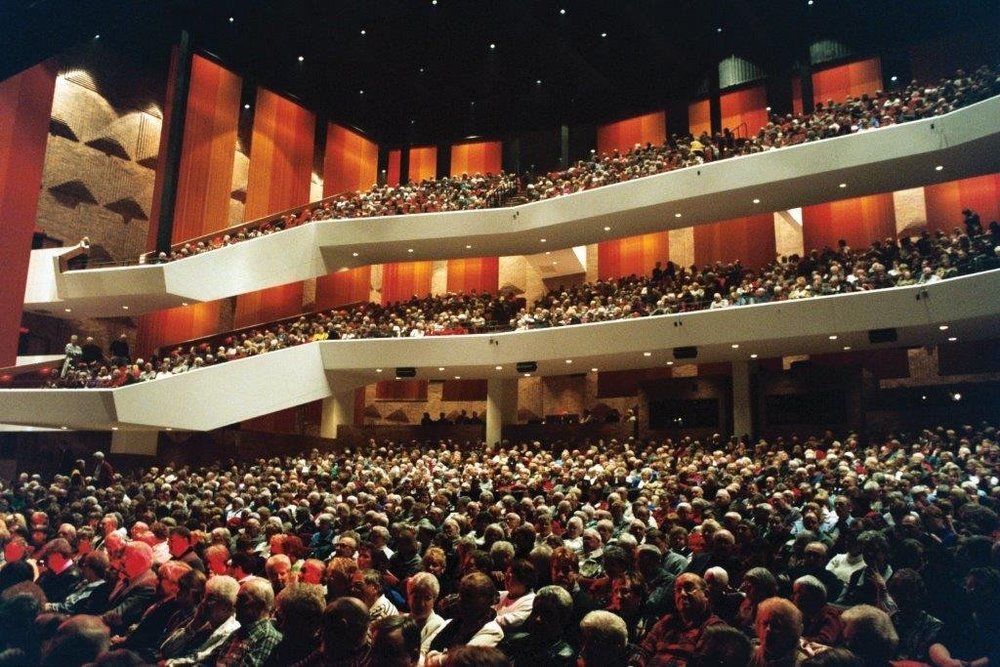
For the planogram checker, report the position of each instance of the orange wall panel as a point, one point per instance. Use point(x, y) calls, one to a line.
point(343, 287)
point(850, 80)
point(401, 390)
point(749, 239)
point(483, 157)
point(797, 95)
point(25, 108)
point(176, 325)
point(699, 118)
point(623, 135)
point(403, 280)
point(474, 274)
point(423, 163)
point(350, 163)
point(945, 201)
point(281, 157)
point(745, 111)
point(858, 221)
point(633, 255)
point(392, 170)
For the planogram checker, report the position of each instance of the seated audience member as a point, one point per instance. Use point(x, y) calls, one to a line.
point(820, 621)
point(869, 634)
point(313, 571)
point(721, 646)
point(279, 569)
point(834, 657)
point(181, 546)
point(367, 587)
point(475, 622)
point(868, 585)
point(395, 642)
point(917, 629)
point(422, 592)
point(758, 585)
point(724, 600)
point(213, 621)
point(674, 638)
point(253, 641)
point(981, 641)
point(542, 642)
point(344, 638)
point(298, 612)
point(814, 563)
point(145, 638)
point(135, 590)
point(61, 575)
point(78, 640)
point(565, 570)
point(476, 656)
point(603, 640)
point(217, 560)
point(18, 641)
point(779, 629)
point(90, 596)
point(515, 603)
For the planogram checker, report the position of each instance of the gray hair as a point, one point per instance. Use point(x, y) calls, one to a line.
point(560, 598)
point(425, 581)
point(222, 587)
point(605, 628)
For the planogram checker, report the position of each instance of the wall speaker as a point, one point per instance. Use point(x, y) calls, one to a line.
point(527, 366)
point(406, 372)
point(689, 352)
point(882, 336)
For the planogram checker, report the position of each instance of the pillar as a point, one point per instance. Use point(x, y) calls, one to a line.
point(337, 409)
point(501, 407)
point(742, 399)
point(136, 443)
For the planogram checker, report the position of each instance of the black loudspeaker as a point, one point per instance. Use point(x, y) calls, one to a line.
point(406, 372)
point(685, 352)
point(527, 366)
point(882, 336)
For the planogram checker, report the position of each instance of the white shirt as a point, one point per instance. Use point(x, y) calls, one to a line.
point(511, 614)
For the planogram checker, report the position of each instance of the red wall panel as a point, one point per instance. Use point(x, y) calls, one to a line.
point(350, 162)
point(479, 274)
point(281, 156)
point(343, 287)
point(699, 118)
point(750, 240)
point(403, 280)
point(850, 80)
point(25, 108)
point(176, 325)
point(401, 390)
point(393, 168)
point(623, 135)
point(745, 111)
point(858, 221)
point(423, 163)
point(476, 158)
point(945, 201)
point(633, 255)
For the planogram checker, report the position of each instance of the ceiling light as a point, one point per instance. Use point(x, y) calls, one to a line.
point(184, 303)
point(458, 377)
point(493, 46)
point(647, 354)
point(607, 229)
point(810, 3)
point(562, 12)
point(718, 30)
point(527, 375)
point(548, 252)
point(670, 363)
point(604, 34)
point(569, 361)
point(677, 215)
point(843, 185)
point(440, 368)
point(231, 19)
point(753, 356)
point(301, 58)
point(468, 246)
point(98, 36)
point(756, 201)
point(767, 108)
point(542, 240)
point(124, 307)
point(939, 167)
point(69, 310)
point(361, 92)
point(735, 346)
point(355, 254)
point(409, 250)
point(538, 82)
point(114, 428)
point(434, 2)
point(421, 70)
point(923, 397)
point(378, 370)
point(554, 262)
point(952, 339)
point(364, 32)
point(65, 428)
point(499, 368)
point(246, 106)
point(893, 78)
point(832, 336)
point(943, 327)
point(593, 370)
point(956, 396)
point(846, 348)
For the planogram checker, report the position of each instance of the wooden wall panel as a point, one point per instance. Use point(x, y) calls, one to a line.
point(393, 169)
point(699, 117)
point(849, 80)
point(474, 274)
point(350, 163)
point(175, 325)
point(858, 221)
point(25, 108)
point(401, 390)
point(624, 134)
point(281, 157)
point(403, 280)
point(749, 239)
point(343, 287)
point(463, 390)
point(632, 255)
point(945, 202)
point(423, 163)
point(745, 111)
point(483, 157)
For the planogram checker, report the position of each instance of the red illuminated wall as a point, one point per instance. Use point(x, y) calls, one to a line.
point(699, 118)
point(859, 221)
point(479, 274)
point(402, 390)
point(745, 111)
point(402, 280)
point(203, 188)
point(392, 170)
point(476, 158)
point(350, 162)
point(852, 79)
point(945, 201)
point(633, 255)
point(749, 239)
point(623, 135)
point(423, 163)
point(25, 108)
point(281, 155)
point(343, 287)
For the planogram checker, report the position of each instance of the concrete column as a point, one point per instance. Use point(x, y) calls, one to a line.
point(742, 398)
point(139, 443)
point(501, 407)
point(337, 410)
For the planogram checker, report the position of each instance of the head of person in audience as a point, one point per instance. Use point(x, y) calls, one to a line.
point(779, 628)
point(218, 603)
point(395, 642)
point(476, 595)
point(254, 601)
point(298, 611)
point(278, 569)
point(366, 585)
point(422, 590)
point(869, 634)
point(722, 646)
point(551, 611)
point(137, 559)
point(344, 626)
point(603, 640)
point(691, 598)
point(78, 640)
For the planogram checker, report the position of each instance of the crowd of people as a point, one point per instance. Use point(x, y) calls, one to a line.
point(465, 192)
point(667, 290)
point(814, 551)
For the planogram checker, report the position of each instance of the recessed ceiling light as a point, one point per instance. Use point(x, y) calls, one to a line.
point(364, 32)
point(753, 356)
point(168, 429)
point(538, 82)
point(647, 354)
point(677, 215)
point(843, 185)
point(355, 254)
point(569, 361)
point(923, 397)
point(543, 240)
point(943, 327)
point(607, 229)
point(893, 78)
point(65, 428)
point(434, 2)
point(604, 34)
point(593, 370)
point(810, 3)
point(718, 30)
point(527, 375)
point(493, 46)
point(301, 58)
point(499, 368)
point(232, 19)
point(361, 92)
point(114, 428)
point(735, 346)
point(458, 377)
point(756, 201)
point(69, 310)
point(246, 106)
point(378, 370)
point(562, 12)
point(97, 36)
point(124, 307)
point(548, 252)
point(832, 336)
point(409, 250)
point(939, 167)
point(468, 246)
point(184, 303)
point(767, 108)
point(952, 339)
point(846, 348)
point(440, 368)
point(670, 363)
point(554, 262)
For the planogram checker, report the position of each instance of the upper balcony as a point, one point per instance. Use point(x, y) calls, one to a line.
point(963, 143)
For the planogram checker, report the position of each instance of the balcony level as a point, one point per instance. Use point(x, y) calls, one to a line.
point(963, 144)
point(215, 396)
